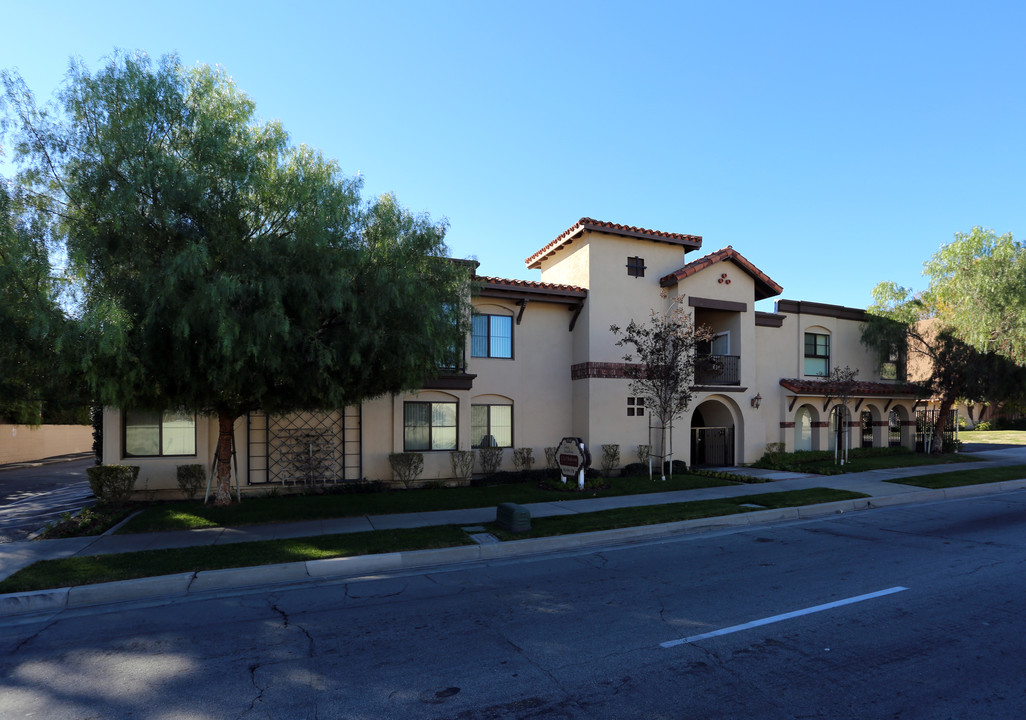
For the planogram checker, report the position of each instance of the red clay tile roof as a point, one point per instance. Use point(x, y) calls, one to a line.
point(690, 242)
point(528, 289)
point(826, 387)
point(764, 286)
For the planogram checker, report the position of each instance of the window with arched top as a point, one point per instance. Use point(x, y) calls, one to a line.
point(817, 354)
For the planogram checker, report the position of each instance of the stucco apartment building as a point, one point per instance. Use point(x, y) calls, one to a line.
point(541, 364)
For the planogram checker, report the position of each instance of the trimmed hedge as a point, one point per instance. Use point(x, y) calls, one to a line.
point(112, 484)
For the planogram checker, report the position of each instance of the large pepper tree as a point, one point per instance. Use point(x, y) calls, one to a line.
point(225, 269)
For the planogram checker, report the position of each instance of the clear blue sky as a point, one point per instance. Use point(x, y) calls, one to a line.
point(834, 144)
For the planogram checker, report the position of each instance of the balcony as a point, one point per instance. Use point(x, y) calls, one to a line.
point(452, 373)
point(718, 370)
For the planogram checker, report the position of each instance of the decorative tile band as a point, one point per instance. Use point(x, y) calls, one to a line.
point(613, 371)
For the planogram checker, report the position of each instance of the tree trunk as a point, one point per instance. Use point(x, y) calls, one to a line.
point(225, 446)
point(937, 446)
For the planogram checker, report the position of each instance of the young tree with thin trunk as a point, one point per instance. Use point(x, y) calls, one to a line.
point(661, 364)
point(225, 269)
point(843, 384)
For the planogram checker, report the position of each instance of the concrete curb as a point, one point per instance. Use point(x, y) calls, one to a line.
point(184, 584)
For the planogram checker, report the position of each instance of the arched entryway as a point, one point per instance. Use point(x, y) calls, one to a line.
point(804, 422)
point(713, 436)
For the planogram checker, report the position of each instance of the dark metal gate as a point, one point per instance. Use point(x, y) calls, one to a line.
point(893, 429)
point(712, 446)
point(867, 428)
point(926, 421)
point(305, 448)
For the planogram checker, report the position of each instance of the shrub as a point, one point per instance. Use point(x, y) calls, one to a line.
point(112, 484)
point(491, 459)
point(775, 447)
point(513, 477)
point(523, 458)
point(550, 458)
point(462, 463)
point(679, 467)
point(635, 469)
point(644, 451)
point(984, 425)
point(610, 458)
point(406, 466)
point(190, 479)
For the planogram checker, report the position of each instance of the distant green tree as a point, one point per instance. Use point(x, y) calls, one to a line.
point(978, 289)
point(226, 270)
point(903, 324)
point(31, 320)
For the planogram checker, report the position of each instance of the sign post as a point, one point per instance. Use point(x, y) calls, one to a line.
point(572, 458)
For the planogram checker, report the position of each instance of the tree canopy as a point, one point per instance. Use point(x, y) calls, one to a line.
point(32, 323)
point(225, 269)
point(909, 326)
point(978, 288)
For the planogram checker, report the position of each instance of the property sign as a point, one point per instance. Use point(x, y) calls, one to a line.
point(571, 456)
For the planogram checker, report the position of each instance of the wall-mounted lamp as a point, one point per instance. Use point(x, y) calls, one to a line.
point(757, 401)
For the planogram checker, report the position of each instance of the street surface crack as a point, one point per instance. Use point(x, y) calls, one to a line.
point(260, 691)
point(397, 593)
point(34, 635)
point(285, 624)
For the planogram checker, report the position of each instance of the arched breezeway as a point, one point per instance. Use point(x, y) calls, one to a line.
point(715, 433)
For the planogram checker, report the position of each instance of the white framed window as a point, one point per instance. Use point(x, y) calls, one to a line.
point(429, 426)
point(817, 354)
point(155, 433)
point(491, 426)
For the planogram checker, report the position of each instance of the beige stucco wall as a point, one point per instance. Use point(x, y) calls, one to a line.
point(548, 404)
point(781, 355)
point(160, 473)
point(536, 381)
point(23, 443)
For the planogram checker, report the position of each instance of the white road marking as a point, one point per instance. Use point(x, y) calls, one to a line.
point(785, 616)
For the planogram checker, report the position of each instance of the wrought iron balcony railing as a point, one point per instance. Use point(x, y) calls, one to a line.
point(718, 370)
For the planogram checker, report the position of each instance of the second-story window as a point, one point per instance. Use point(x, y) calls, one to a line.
point(492, 336)
point(817, 354)
point(636, 267)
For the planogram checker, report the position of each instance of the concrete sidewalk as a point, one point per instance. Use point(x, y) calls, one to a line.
point(14, 556)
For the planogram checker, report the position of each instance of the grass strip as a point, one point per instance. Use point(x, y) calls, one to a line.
point(958, 478)
point(125, 566)
point(293, 508)
point(675, 512)
point(824, 462)
point(68, 572)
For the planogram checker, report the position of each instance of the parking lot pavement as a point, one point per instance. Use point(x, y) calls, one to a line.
point(33, 495)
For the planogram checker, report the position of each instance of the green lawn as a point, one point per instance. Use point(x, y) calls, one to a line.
point(993, 437)
point(252, 511)
point(822, 462)
point(958, 478)
point(106, 568)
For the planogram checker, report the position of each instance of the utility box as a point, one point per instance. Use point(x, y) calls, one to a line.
point(512, 517)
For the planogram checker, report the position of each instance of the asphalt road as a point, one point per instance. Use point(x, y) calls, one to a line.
point(914, 612)
point(30, 497)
